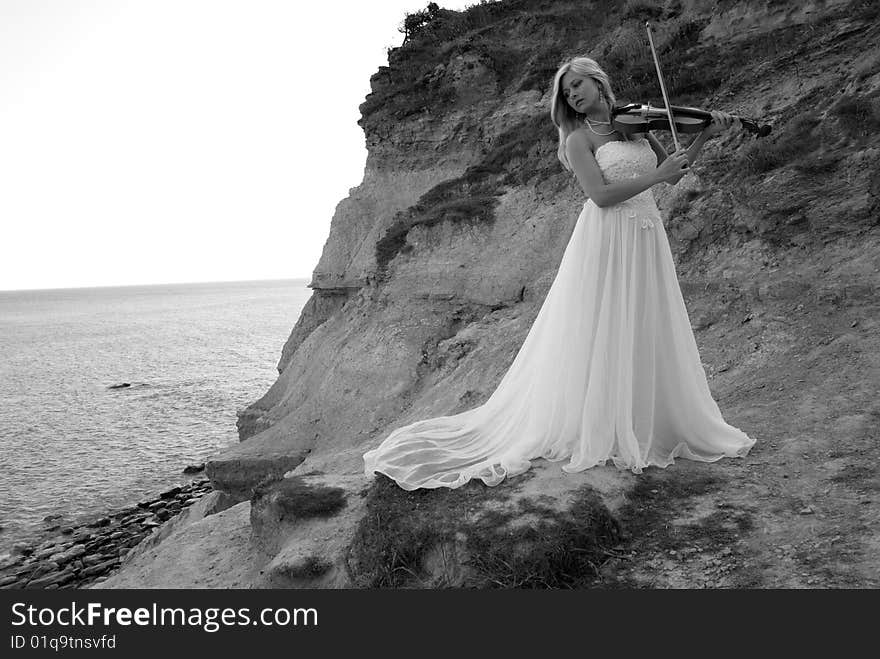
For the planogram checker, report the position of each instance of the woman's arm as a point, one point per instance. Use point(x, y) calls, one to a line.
point(586, 169)
point(697, 144)
point(691, 152)
point(659, 149)
point(721, 121)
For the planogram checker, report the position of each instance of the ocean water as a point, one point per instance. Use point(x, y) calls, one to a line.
point(193, 354)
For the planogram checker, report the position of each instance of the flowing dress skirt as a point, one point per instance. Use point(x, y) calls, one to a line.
point(609, 370)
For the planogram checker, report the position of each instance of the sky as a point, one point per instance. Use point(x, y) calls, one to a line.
point(161, 141)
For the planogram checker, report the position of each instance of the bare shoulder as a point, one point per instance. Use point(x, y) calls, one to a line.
point(578, 139)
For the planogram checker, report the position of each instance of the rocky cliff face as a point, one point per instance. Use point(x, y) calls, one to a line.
point(437, 264)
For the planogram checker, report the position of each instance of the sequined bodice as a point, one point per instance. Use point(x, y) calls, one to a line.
point(620, 161)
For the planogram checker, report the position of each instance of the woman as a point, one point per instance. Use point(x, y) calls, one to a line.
point(610, 368)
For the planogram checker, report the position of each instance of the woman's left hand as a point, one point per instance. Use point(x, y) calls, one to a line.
point(721, 121)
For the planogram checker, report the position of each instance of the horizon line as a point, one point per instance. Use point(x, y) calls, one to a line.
point(161, 283)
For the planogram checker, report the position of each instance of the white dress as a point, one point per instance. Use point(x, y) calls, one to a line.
point(608, 371)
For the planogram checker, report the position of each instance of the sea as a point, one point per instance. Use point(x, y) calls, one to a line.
point(72, 444)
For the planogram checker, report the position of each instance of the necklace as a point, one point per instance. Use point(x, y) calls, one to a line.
point(589, 125)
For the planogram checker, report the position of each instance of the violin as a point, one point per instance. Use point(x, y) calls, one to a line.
point(640, 118)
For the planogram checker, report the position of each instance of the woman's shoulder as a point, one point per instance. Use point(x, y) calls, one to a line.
point(579, 138)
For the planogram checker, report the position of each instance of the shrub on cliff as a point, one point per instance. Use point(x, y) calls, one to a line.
point(528, 545)
point(295, 497)
point(859, 116)
point(790, 143)
point(523, 153)
point(415, 22)
point(497, 32)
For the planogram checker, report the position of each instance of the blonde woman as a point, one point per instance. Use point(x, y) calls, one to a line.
point(609, 370)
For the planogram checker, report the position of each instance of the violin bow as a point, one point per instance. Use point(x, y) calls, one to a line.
point(663, 88)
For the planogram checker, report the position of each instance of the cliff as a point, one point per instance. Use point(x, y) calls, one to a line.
point(438, 262)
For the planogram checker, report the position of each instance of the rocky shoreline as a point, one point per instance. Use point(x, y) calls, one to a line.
point(79, 555)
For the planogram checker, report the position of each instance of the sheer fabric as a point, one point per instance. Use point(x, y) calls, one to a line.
point(609, 370)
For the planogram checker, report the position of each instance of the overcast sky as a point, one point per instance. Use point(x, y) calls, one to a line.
point(156, 141)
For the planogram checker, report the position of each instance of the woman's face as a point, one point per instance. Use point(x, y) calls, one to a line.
point(580, 92)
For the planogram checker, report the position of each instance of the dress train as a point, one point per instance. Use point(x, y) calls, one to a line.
point(609, 370)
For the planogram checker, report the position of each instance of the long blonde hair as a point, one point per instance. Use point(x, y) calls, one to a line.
point(566, 118)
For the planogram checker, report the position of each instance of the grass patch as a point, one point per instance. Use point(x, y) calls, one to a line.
point(432, 208)
point(311, 568)
point(295, 497)
point(792, 142)
point(500, 34)
point(541, 67)
point(555, 550)
point(559, 551)
point(858, 116)
point(522, 154)
point(627, 58)
point(641, 10)
point(819, 164)
point(865, 10)
point(655, 502)
point(523, 42)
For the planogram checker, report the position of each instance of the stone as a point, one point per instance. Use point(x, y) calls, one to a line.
point(95, 545)
point(68, 555)
point(135, 518)
point(92, 560)
point(132, 541)
point(167, 494)
point(22, 548)
point(47, 552)
point(57, 578)
point(8, 560)
point(99, 568)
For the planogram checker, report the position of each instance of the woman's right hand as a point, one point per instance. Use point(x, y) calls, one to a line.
point(673, 167)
